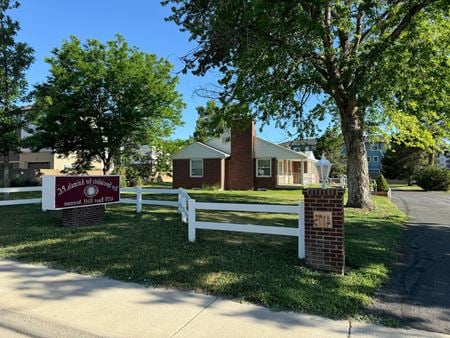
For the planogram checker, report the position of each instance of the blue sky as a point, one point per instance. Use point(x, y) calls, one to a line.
point(46, 23)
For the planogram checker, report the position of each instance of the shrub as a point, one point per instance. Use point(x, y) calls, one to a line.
point(214, 187)
point(129, 176)
point(433, 178)
point(382, 184)
point(23, 181)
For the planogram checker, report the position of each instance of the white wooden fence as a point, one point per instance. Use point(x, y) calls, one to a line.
point(298, 232)
point(21, 201)
point(188, 207)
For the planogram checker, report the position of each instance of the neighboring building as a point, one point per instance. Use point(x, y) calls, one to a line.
point(375, 151)
point(444, 159)
point(44, 159)
point(242, 161)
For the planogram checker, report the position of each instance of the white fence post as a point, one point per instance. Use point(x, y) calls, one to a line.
point(138, 200)
point(180, 199)
point(301, 231)
point(191, 220)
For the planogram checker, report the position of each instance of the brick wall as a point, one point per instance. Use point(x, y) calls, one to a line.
point(241, 164)
point(75, 217)
point(267, 182)
point(324, 246)
point(212, 171)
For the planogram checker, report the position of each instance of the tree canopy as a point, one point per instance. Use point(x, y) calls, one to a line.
point(403, 160)
point(15, 59)
point(102, 99)
point(331, 144)
point(275, 55)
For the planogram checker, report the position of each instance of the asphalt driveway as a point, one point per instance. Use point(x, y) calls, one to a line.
point(418, 292)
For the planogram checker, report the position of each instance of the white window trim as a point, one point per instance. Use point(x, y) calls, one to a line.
point(368, 159)
point(257, 166)
point(375, 159)
point(190, 167)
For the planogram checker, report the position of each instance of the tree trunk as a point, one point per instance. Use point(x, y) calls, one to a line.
point(106, 167)
point(6, 180)
point(431, 158)
point(358, 181)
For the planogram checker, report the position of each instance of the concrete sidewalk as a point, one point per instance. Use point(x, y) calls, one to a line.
point(39, 302)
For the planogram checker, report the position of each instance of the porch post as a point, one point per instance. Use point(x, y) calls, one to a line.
point(302, 172)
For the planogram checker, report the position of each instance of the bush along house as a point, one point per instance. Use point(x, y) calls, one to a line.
point(241, 161)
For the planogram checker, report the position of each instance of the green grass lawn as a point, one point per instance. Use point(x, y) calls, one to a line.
point(397, 186)
point(152, 249)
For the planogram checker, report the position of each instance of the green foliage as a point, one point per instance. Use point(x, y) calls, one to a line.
point(401, 160)
point(433, 178)
point(275, 56)
point(131, 176)
point(331, 144)
point(23, 181)
point(416, 99)
point(214, 120)
point(208, 187)
point(102, 99)
point(382, 184)
point(15, 59)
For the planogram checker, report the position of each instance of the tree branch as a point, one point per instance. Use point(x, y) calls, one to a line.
point(378, 49)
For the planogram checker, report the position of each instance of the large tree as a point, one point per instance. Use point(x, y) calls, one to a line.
point(103, 99)
point(275, 54)
point(15, 59)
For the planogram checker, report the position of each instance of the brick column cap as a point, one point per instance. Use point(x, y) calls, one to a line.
point(322, 192)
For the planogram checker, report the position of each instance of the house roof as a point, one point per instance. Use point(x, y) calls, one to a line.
point(220, 147)
point(221, 143)
point(199, 150)
point(265, 148)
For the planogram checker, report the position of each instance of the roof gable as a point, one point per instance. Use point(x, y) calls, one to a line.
point(199, 150)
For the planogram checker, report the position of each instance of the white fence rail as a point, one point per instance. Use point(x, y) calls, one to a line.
point(20, 201)
point(299, 232)
point(138, 201)
point(188, 207)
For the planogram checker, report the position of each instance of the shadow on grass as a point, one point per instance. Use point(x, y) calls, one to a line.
point(152, 249)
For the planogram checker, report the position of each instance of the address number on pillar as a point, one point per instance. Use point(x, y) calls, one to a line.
point(322, 219)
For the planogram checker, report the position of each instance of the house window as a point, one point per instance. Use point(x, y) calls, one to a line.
point(375, 158)
point(264, 167)
point(196, 168)
point(368, 158)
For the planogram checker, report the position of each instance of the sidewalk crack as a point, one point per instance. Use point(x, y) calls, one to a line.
point(193, 317)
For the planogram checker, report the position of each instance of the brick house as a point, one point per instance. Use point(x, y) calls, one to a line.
point(242, 161)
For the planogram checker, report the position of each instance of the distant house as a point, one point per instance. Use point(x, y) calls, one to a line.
point(444, 159)
point(375, 151)
point(242, 161)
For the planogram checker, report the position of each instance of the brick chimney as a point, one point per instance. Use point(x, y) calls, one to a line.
point(241, 163)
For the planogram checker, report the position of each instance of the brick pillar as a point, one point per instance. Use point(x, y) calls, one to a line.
point(241, 163)
point(75, 217)
point(324, 229)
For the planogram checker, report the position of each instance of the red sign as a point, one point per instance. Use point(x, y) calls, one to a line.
point(78, 191)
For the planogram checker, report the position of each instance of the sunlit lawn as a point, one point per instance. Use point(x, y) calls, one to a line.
point(152, 249)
